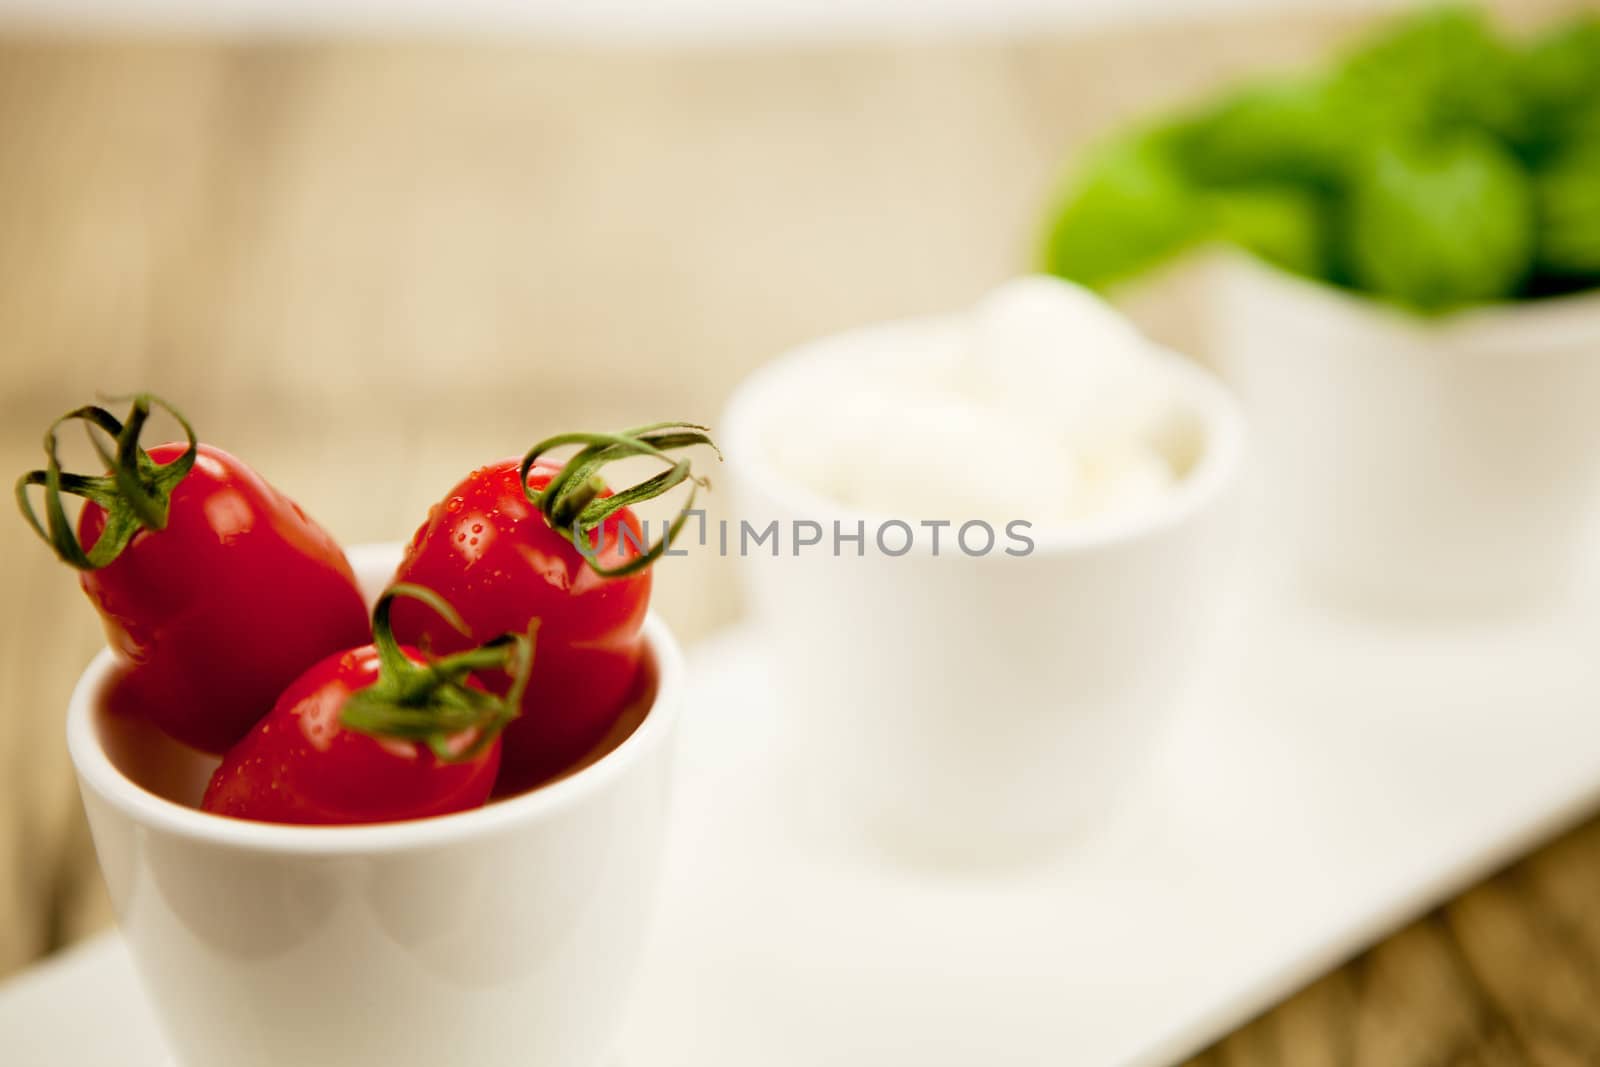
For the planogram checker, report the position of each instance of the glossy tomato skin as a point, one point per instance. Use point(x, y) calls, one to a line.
point(301, 765)
point(227, 605)
point(492, 555)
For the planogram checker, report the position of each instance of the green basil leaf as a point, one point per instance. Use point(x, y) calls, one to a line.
point(1439, 222)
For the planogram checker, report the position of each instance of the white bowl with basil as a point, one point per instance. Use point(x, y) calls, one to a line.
point(1411, 313)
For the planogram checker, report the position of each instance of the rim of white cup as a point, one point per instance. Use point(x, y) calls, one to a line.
point(1519, 330)
point(97, 772)
point(1221, 419)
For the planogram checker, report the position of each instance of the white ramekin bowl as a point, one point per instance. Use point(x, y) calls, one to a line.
point(507, 935)
point(1411, 465)
point(967, 709)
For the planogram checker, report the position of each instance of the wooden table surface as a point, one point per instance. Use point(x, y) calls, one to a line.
point(369, 266)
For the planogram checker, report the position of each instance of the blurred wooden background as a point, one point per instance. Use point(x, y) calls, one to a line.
point(368, 266)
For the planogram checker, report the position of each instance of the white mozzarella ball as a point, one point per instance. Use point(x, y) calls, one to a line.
point(1063, 356)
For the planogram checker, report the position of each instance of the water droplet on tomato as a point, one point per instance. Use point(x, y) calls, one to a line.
point(454, 504)
point(477, 527)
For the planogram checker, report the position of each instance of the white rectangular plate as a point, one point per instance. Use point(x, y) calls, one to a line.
point(1327, 780)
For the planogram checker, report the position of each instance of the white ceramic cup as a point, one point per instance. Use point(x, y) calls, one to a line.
point(1416, 465)
point(976, 709)
point(507, 935)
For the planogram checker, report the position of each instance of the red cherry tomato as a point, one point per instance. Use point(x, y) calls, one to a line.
point(375, 734)
point(488, 551)
point(219, 595)
point(500, 559)
point(301, 764)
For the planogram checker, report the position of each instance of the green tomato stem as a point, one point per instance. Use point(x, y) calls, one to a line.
point(136, 495)
point(572, 503)
point(431, 702)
